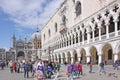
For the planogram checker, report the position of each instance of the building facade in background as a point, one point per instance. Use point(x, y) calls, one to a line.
point(27, 49)
point(2, 54)
point(83, 30)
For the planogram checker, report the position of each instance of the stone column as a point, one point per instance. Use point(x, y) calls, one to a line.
point(67, 59)
point(78, 36)
point(107, 30)
point(83, 39)
point(74, 38)
point(83, 36)
point(88, 58)
point(72, 59)
point(69, 41)
point(116, 28)
point(62, 61)
point(99, 59)
point(115, 57)
point(88, 37)
point(99, 27)
point(88, 34)
point(58, 58)
point(72, 56)
point(79, 59)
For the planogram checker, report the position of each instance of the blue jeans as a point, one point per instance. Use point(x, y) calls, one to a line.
point(26, 73)
point(116, 66)
point(90, 70)
point(70, 74)
point(102, 69)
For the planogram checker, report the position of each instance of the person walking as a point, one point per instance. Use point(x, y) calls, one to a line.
point(58, 66)
point(26, 69)
point(14, 66)
point(11, 66)
point(116, 64)
point(102, 69)
point(79, 69)
point(75, 70)
point(40, 70)
point(18, 67)
point(90, 67)
point(70, 70)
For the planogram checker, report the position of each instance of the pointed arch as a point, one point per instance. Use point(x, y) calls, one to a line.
point(103, 29)
point(94, 54)
point(83, 56)
point(111, 25)
point(107, 53)
point(96, 30)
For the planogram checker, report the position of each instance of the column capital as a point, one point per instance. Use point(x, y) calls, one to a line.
point(88, 55)
point(116, 20)
point(99, 54)
point(107, 22)
point(88, 29)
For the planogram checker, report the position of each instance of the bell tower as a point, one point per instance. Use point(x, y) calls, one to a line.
point(14, 41)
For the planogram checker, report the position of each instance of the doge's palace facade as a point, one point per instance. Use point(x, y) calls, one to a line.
point(83, 30)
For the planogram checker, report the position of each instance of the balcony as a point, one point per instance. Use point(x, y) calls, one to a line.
point(63, 29)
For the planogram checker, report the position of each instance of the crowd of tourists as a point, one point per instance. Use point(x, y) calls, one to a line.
point(39, 69)
point(2, 64)
point(75, 69)
point(47, 69)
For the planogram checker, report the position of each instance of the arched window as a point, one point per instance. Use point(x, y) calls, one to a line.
point(85, 35)
point(67, 41)
point(78, 8)
point(55, 27)
point(103, 29)
point(109, 54)
point(70, 40)
point(112, 25)
point(64, 20)
point(73, 39)
point(44, 36)
point(80, 36)
point(49, 33)
point(76, 38)
point(96, 31)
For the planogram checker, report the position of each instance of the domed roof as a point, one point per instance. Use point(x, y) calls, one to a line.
point(35, 35)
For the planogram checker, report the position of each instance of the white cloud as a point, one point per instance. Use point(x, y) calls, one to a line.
point(29, 13)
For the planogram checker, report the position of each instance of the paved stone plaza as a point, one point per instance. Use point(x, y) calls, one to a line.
point(6, 75)
point(110, 74)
